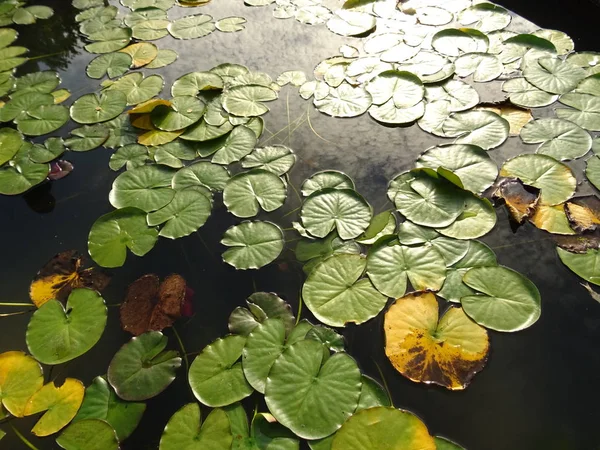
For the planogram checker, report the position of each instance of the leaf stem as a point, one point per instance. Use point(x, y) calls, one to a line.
point(17, 304)
point(23, 439)
point(47, 55)
point(292, 211)
point(385, 385)
point(182, 347)
point(300, 302)
point(312, 128)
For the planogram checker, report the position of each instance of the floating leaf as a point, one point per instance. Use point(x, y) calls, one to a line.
point(460, 95)
point(151, 305)
point(404, 88)
point(583, 213)
point(555, 179)
point(559, 138)
point(278, 159)
point(186, 430)
point(245, 100)
point(553, 75)
point(483, 66)
point(10, 143)
point(91, 108)
point(238, 144)
point(113, 233)
point(142, 53)
point(129, 156)
point(192, 27)
point(62, 274)
point(247, 192)
point(261, 305)
point(88, 434)
point(188, 211)
point(163, 58)
point(109, 40)
point(381, 224)
point(294, 77)
point(300, 377)
point(453, 42)
point(383, 428)
point(137, 88)
point(516, 117)
point(57, 334)
point(20, 377)
point(485, 17)
point(22, 174)
point(183, 112)
point(60, 403)
point(391, 265)
point(524, 94)
point(10, 57)
point(141, 369)
point(87, 138)
point(252, 244)
point(101, 402)
point(216, 376)
point(521, 201)
point(552, 219)
point(42, 119)
point(202, 173)
point(147, 188)
point(112, 64)
point(506, 300)
point(477, 219)
point(336, 294)
point(483, 128)
point(194, 83)
point(351, 23)
point(230, 24)
point(344, 101)
point(585, 112)
point(326, 179)
point(584, 265)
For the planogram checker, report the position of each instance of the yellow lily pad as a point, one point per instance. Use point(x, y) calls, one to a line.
point(141, 53)
point(158, 137)
point(20, 377)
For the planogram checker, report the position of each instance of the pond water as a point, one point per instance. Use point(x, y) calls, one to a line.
point(539, 389)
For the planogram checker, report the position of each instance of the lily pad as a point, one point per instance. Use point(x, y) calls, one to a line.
point(22, 174)
point(326, 179)
point(336, 294)
point(560, 139)
point(524, 94)
point(391, 265)
point(164, 57)
point(584, 265)
point(247, 192)
point(129, 156)
point(216, 377)
point(477, 219)
point(344, 101)
point(585, 112)
point(230, 24)
point(183, 112)
point(147, 188)
point(483, 66)
point(87, 138)
point(42, 120)
point(252, 244)
point(10, 143)
point(142, 53)
point(141, 369)
point(136, 88)
point(261, 306)
point(192, 27)
point(351, 23)
point(461, 96)
point(300, 382)
point(448, 353)
point(21, 378)
point(383, 428)
point(202, 173)
point(185, 430)
point(100, 402)
point(88, 434)
point(112, 64)
point(483, 128)
point(246, 100)
point(238, 144)
point(113, 233)
point(10, 57)
point(193, 83)
point(91, 108)
point(506, 300)
point(278, 159)
point(109, 40)
point(553, 75)
point(73, 330)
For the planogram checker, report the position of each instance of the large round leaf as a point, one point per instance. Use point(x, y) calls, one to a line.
point(109, 40)
point(584, 265)
point(87, 138)
point(311, 398)
point(195, 82)
point(247, 192)
point(141, 369)
point(404, 88)
point(383, 428)
point(10, 143)
point(506, 300)
point(559, 138)
point(111, 64)
point(91, 108)
point(185, 430)
point(192, 27)
point(252, 244)
point(183, 112)
point(22, 174)
point(470, 163)
point(344, 101)
point(115, 232)
point(88, 434)
point(56, 334)
point(461, 96)
point(142, 53)
point(202, 173)
point(147, 188)
point(524, 94)
point(238, 144)
point(341, 209)
point(20, 377)
point(42, 119)
point(261, 306)
point(18, 106)
point(483, 66)
point(101, 402)
point(448, 352)
point(391, 265)
point(278, 159)
point(336, 294)
point(245, 100)
point(553, 75)
point(216, 376)
point(326, 179)
point(351, 23)
point(136, 88)
point(477, 219)
point(584, 111)
point(483, 128)
point(555, 179)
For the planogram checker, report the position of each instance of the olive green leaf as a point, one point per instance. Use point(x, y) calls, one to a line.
point(278, 159)
point(247, 192)
point(560, 139)
point(261, 305)
point(87, 138)
point(192, 27)
point(113, 65)
point(88, 434)
point(584, 265)
point(202, 173)
point(147, 188)
point(326, 179)
point(483, 128)
point(246, 100)
point(252, 244)
point(91, 108)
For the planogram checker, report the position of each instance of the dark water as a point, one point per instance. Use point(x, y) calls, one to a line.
point(539, 389)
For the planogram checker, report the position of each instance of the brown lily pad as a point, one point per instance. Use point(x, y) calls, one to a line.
point(151, 305)
point(579, 243)
point(520, 199)
point(583, 213)
point(63, 273)
point(448, 352)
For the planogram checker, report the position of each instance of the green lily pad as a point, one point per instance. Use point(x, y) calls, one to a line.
point(22, 377)
point(313, 251)
point(113, 65)
point(524, 94)
point(21, 174)
point(87, 138)
point(391, 265)
point(351, 23)
point(109, 40)
point(344, 101)
point(553, 75)
point(129, 156)
point(7, 37)
point(10, 57)
point(246, 100)
point(56, 334)
point(477, 219)
point(506, 300)
point(51, 149)
point(300, 382)
point(40, 82)
point(404, 88)
point(294, 77)
point(383, 428)
point(141, 369)
point(88, 434)
point(185, 430)
point(555, 179)
point(192, 27)
point(136, 88)
point(483, 66)
point(483, 128)
point(91, 108)
point(453, 42)
point(113, 233)
point(202, 173)
point(261, 306)
point(204, 132)
point(445, 444)
point(216, 377)
point(485, 17)
point(147, 188)
point(585, 112)
point(451, 250)
point(163, 58)
point(470, 163)
point(381, 225)
point(584, 265)
point(101, 402)
point(336, 294)
point(252, 244)
point(341, 209)
point(389, 113)
point(188, 211)
point(150, 30)
point(42, 120)
point(230, 24)
point(10, 143)
point(326, 179)
point(460, 95)
point(372, 394)
point(247, 192)
point(238, 144)
point(195, 82)
point(183, 112)
point(277, 159)
point(560, 139)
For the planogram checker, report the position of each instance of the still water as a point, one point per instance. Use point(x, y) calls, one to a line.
point(539, 389)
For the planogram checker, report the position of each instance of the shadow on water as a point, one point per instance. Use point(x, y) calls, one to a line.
point(539, 389)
